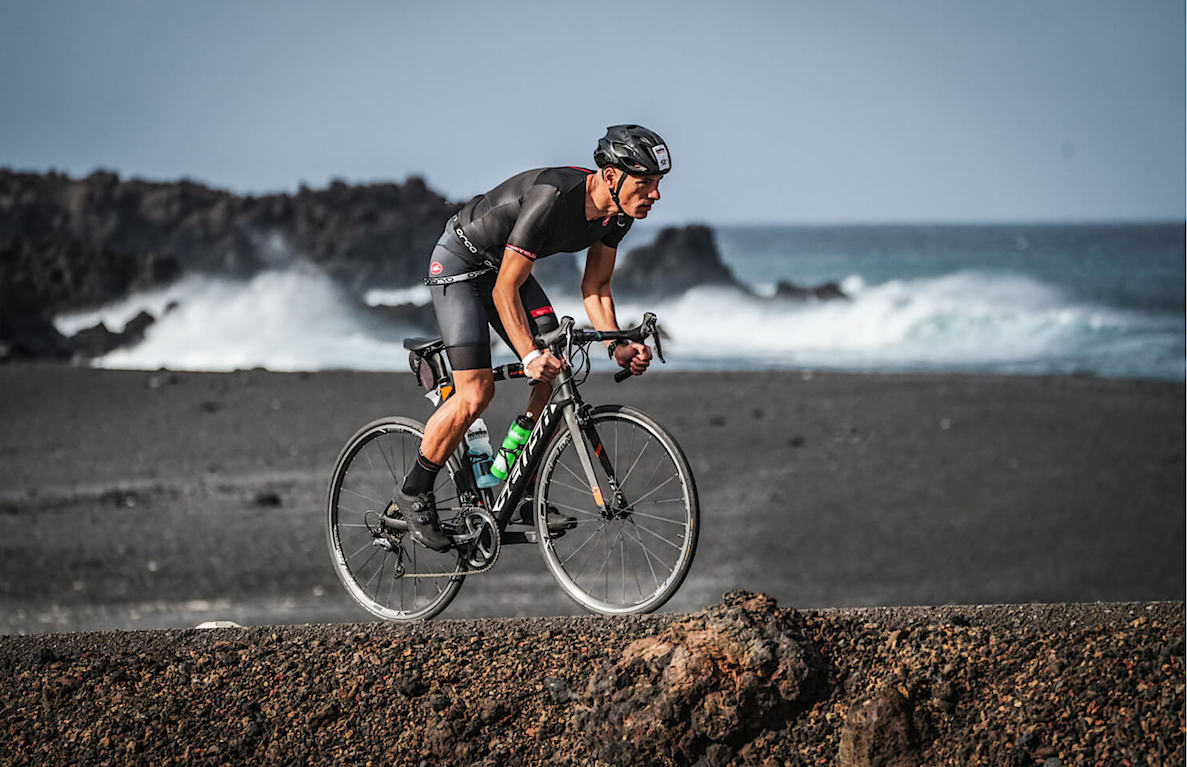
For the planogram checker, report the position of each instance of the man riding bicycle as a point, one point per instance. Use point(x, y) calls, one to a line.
point(480, 277)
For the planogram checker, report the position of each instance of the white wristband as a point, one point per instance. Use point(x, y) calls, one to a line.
point(527, 358)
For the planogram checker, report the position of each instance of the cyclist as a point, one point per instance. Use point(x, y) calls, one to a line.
point(480, 277)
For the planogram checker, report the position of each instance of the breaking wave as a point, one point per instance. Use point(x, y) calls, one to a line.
point(297, 319)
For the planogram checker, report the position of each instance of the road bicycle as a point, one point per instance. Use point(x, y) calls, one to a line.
point(617, 475)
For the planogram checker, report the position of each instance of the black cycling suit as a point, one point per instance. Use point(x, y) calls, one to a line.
point(536, 214)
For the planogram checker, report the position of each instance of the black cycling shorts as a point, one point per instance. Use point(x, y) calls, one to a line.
point(466, 310)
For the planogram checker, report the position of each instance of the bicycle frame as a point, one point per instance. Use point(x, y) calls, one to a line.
point(565, 405)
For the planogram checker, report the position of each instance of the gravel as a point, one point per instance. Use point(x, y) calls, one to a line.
point(1099, 683)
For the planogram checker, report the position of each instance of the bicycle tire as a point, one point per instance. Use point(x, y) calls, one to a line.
point(654, 536)
point(364, 481)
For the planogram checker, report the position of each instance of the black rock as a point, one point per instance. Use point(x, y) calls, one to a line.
point(98, 340)
point(824, 292)
point(26, 330)
point(83, 242)
point(95, 341)
point(679, 259)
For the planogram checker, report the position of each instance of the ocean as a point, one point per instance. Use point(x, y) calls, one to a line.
point(1104, 300)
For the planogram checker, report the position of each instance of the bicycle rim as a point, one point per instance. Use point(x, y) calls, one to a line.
point(633, 559)
point(375, 565)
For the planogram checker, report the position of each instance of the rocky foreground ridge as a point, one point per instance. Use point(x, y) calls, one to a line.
point(69, 244)
point(740, 683)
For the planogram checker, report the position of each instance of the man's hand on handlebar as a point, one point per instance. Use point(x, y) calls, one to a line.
point(634, 357)
point(544, 367)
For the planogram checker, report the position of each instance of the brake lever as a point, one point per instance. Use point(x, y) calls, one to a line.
point(651, 328)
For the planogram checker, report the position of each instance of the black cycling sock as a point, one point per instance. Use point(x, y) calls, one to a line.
point(422, 477)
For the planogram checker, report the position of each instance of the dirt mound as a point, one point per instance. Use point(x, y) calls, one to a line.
point(741, 683)
point(703, 685)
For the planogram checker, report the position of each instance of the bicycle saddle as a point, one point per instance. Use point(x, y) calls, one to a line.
point(423, 345)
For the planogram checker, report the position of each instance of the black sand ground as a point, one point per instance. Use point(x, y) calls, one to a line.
point(160, 500)
point(156, 500)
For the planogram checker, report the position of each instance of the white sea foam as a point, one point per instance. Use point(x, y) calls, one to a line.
point(297, 319)
point(417, 294)
point(967, 320)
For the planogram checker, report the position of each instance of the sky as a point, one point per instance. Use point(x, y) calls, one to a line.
point(774, 112)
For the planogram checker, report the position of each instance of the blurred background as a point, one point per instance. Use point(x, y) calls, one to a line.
point(923, 188)
point(987, 188)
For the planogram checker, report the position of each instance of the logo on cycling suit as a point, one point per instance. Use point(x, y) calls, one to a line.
point(465, 240)
point(661, 156)
point(436, 267)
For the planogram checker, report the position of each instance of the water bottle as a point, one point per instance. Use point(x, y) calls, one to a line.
point(481, 454)
point(517, 437)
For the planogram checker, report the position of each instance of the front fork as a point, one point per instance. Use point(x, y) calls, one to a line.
point(580, 424)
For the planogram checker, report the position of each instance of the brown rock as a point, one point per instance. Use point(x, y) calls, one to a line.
point(703, 686)
point(879, 732)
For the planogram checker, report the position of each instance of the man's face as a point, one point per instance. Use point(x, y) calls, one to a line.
point(638, 194)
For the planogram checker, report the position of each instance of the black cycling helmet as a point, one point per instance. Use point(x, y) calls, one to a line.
point(634, 149)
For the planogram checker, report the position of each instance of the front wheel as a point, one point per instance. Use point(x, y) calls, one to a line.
point(631, 556)
point(381, 567)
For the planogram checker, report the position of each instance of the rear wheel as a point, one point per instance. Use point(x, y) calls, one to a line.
point(377, 563)
point(632, 557)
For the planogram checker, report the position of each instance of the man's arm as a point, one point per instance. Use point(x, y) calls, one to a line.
point(513, 273)
point(599, 305)
point(595, 286)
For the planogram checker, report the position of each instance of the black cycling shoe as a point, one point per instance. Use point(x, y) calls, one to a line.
point(420, 512)
point(556, 520)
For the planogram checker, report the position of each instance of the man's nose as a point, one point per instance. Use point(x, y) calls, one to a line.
point(654, 195)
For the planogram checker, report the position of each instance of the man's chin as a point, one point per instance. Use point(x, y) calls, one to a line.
point(642, 213)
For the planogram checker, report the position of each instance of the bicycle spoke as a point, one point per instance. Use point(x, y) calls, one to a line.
point(583, 544)
point(609, 555)
point(570, 487)
point(363, 496)
point(382, 567)
point(622, 558)
point(647, 555)
point(368, 583)
point(637, 513)
point(361, 549)
point(638, 458)
point(651, 532)
point(576, 476)
point(388, 461)
point(392, 587)
point(651, 476)
point(567, 507)
point(657, 487)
